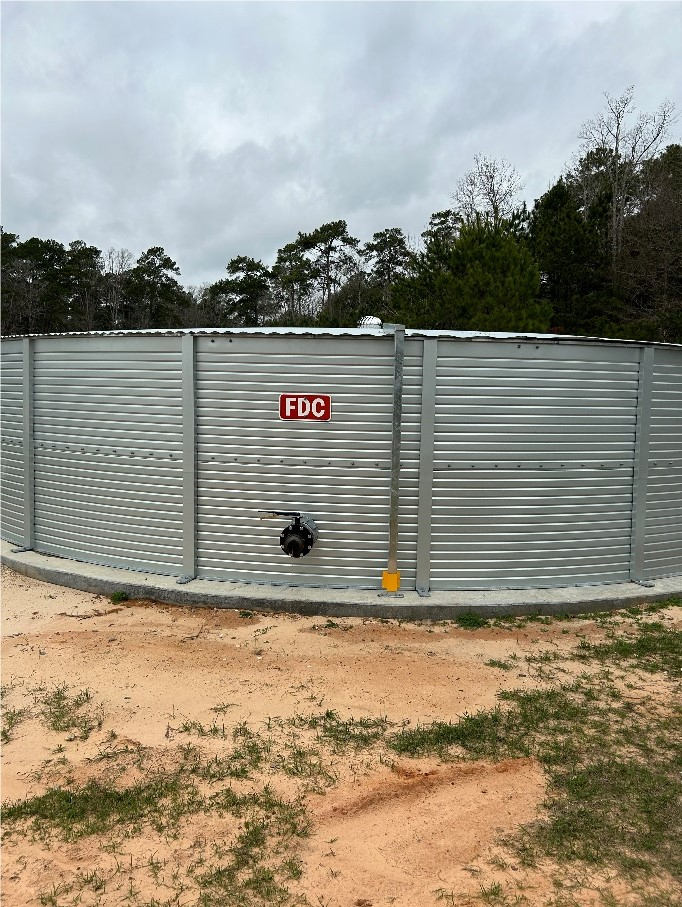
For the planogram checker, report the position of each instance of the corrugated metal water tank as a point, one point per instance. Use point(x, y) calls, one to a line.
point(504, 461)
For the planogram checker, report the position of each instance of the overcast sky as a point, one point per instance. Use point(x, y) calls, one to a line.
point(216, 129)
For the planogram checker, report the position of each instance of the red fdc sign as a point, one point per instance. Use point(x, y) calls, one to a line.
point(317, 407)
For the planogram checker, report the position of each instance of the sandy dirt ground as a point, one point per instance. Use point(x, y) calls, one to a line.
point(406, 832)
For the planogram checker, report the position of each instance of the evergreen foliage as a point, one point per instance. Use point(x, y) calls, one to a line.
point(599, 254)
point(484, 280)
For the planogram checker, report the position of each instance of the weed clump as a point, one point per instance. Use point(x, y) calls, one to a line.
point(342, 734)
point(11, 719)
point(469, 620)
point(63, 712)
point(95, 808)
point(653, 647)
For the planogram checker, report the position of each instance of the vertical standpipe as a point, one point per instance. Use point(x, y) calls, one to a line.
point(641, 465)
point(391, 576)
point(426, 447)
point(29, 474)
point(188, 460)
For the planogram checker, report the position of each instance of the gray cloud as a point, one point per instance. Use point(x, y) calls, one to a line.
point(217, 129)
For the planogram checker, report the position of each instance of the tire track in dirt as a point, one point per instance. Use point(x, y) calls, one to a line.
point(397, 839)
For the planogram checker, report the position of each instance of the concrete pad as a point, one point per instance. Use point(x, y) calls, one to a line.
point(334, 602)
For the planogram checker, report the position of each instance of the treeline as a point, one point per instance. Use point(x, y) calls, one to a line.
point(600, 253)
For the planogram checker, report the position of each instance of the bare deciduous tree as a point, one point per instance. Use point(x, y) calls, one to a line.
point(117, 264)
point(490, 188)
point(626, 144)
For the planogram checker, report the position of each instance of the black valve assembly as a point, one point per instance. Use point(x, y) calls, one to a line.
point(298, 538)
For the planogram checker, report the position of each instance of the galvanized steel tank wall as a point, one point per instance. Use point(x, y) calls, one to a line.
point(249, 460)
point(533, 464)
point(13, 439)
point(525, 462)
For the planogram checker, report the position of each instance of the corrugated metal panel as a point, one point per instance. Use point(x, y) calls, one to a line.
point(409, 463)
point(533, 463)
point(249, 460)
point(11, 440)
point(371, 331)
point(663, 545)
point(108, 451)
point(533, 456)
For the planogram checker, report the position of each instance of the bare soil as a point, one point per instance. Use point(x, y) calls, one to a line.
point(406, 832)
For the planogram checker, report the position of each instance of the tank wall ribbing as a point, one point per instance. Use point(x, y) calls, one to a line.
point(12, 440)
point(533, 464)
point(250, 460)
point(108, 450)
point(409, 463)
point(663, 546)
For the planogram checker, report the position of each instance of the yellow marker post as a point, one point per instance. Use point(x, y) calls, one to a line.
point(391, 576)
point(391, 581)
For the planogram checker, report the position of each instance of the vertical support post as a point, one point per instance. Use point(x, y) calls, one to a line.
point(391, 577)
point(29, 471)
point(640, 474)
point(426, 444)
point(188, 461)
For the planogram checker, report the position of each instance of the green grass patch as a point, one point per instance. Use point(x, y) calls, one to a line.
point(499, 733)
point(601, 617)
point(96, 809)
point(330, 624)
point(613, 809)
point(285, 819)
point(247, 755)
point(614, 767)
point(546, 657)
point(11, 719)
point(58, 709)
point(255, 861)
point(196, 727)
point(341, 734)
point(252, 870)
point(63, 712)
point(470, 621)
point(652, 647)
point(653, 608)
